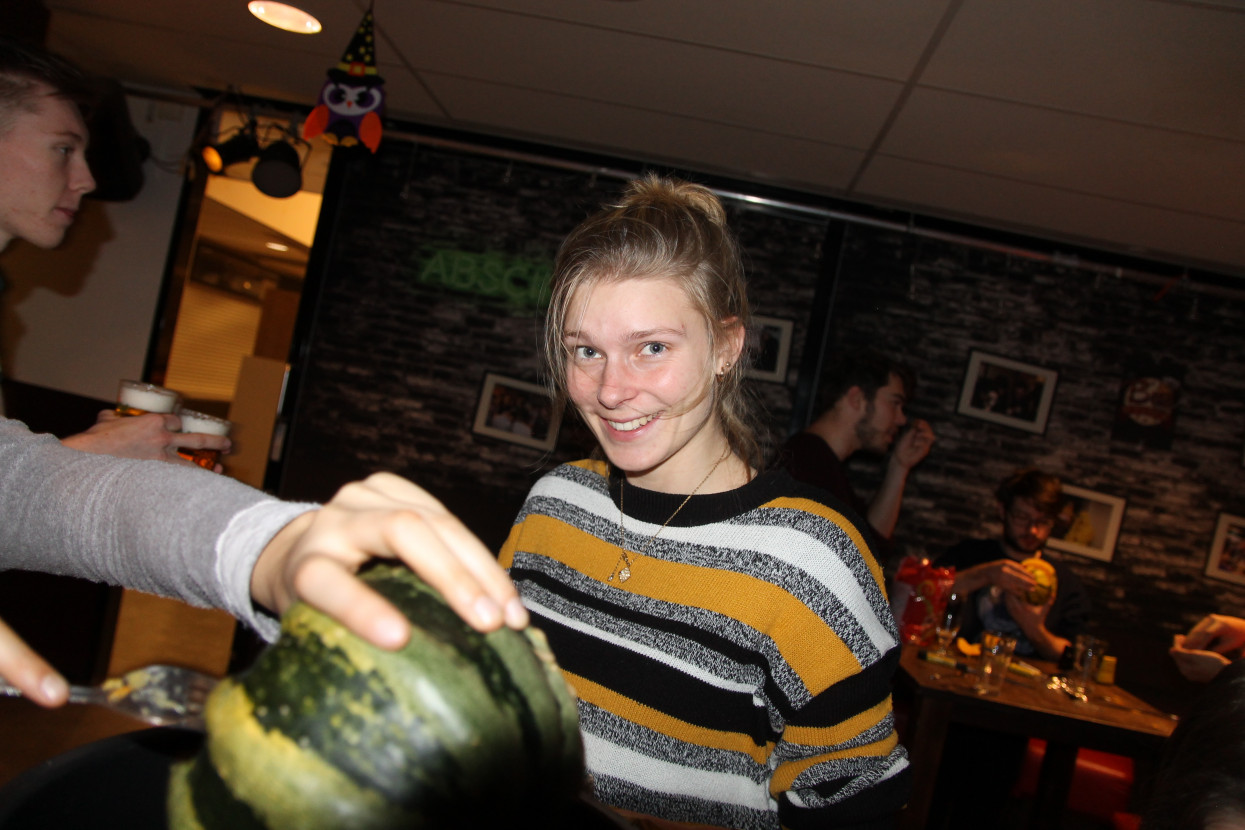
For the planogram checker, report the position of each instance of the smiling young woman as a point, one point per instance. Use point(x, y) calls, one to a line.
point(724, 626)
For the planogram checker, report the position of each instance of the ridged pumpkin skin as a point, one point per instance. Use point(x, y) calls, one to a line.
point(458, 729)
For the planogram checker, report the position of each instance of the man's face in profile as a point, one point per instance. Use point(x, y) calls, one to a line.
point(883, 417)
point(45, 174)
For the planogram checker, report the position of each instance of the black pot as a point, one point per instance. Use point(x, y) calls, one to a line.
point(117, 782)
point(120, 782)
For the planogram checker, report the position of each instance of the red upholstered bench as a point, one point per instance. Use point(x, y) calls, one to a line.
point(1100, 784)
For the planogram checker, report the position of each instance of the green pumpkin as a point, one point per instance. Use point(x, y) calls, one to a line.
point(457, 729)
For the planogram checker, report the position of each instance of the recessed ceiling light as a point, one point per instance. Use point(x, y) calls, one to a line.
point(285, 17)
point(276, 246)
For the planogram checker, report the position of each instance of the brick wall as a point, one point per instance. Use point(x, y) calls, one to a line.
point(935, 301)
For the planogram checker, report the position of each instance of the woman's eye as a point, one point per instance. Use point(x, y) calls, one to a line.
point(653, 348)
point(585, 352)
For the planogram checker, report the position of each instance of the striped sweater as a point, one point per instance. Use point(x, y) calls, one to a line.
point(741, 676)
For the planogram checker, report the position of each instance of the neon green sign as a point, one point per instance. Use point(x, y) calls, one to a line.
point(522, 283)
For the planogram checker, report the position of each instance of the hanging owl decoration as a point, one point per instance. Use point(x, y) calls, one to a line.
point(348, 112)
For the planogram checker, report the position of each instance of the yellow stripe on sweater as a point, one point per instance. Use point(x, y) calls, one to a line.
point(784, 777)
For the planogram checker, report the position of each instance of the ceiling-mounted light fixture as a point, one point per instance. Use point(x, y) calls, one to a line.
point(242, 146)
point(279, 171)
point(289, 18)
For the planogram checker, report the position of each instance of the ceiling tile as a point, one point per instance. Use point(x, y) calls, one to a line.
point(884, 38)
point(214, 20)
point(649, 136)
point(169, 58)
point(649, 73)
point(1145, 165)
point(1165, 64)
point(1078, 218)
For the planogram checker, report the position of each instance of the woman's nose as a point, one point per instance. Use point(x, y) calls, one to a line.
point(616, 386)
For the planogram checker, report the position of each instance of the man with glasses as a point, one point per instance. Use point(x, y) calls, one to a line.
point(989, 571)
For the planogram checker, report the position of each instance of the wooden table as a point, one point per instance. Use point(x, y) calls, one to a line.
point(1112, 721)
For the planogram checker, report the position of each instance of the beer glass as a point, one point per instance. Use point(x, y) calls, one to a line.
point(137, 398)
point(1089, 652)
point(996, 655)
point(193, 421)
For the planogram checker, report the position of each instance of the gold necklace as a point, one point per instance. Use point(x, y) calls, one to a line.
point(624, 573)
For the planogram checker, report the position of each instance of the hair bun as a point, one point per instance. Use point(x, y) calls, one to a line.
point(652, 190)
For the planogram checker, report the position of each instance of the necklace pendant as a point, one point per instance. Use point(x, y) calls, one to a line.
point(624, 574)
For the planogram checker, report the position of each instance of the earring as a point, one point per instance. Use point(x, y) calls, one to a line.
point(725, 368)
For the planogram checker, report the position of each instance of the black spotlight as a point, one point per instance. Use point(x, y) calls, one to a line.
point(278, 173)
point(244, 146)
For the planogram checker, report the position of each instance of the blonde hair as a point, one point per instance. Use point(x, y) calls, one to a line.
point(668, 229)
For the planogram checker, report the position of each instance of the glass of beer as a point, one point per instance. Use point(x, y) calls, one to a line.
point(137, 398)
point(211, 425)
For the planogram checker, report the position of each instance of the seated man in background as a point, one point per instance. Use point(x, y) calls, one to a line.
point(861, 401)
point(980, 766)
point(1210, 646)
point(990, 574)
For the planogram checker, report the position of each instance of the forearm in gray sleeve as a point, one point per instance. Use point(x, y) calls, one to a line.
point(158, 527)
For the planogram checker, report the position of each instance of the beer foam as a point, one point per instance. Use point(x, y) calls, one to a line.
point(152, 399)
point(198, 422)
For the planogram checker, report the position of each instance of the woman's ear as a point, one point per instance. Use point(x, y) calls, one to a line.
point(731, 347)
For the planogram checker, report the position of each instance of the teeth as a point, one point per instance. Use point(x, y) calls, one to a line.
point(628, 426)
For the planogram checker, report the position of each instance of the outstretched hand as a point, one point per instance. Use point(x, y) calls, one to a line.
point(314, 559)
point(1209, 646)
point(1198, 665)
point(146, 437)
point(1219, 633)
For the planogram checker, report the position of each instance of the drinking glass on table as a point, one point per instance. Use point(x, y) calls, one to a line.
point(1088, 652)
point(996, 656)
point(137, 398)
point(193, 421)
point(947, 625)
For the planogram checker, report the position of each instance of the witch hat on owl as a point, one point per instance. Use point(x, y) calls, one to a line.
point(348, 112)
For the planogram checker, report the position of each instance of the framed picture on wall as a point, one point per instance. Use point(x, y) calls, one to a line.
point(769, 348)
point(1088, 524)
point(1008, 392)
point(1227, 552)
point(518, 412)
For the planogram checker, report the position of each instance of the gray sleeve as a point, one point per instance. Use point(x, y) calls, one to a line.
point(158, 527)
